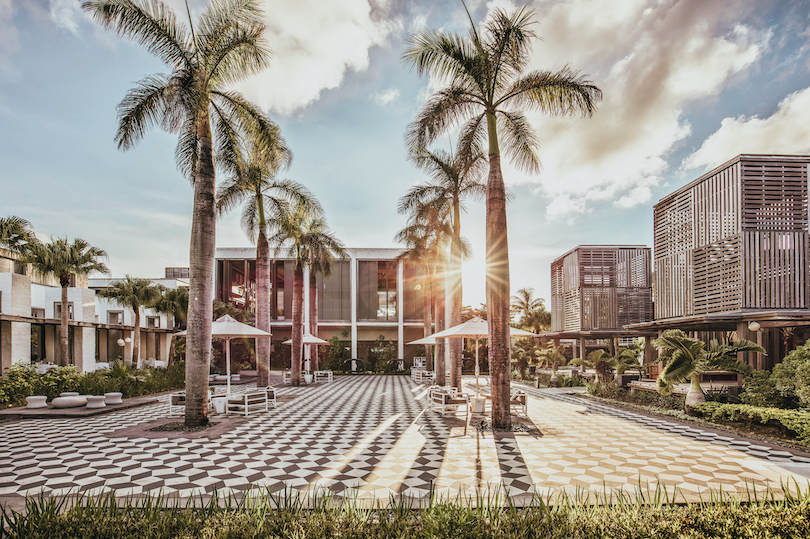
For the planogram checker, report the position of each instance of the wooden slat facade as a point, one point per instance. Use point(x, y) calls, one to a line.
point(735, 239)
point(601, 287)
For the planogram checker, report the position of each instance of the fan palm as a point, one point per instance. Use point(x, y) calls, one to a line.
point(62, 259)
point(302, 234)
point(224, 47)
point(134, 293)
point(486, 90)
point(454, 180)
point(686, 358)
point(253, 182)
point(15, 233)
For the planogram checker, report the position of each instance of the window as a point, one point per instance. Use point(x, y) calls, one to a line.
point(377, 290)
point(115, 317)
point(153, 321)
point(177, 273)
point(57, 310)
point(37, 313)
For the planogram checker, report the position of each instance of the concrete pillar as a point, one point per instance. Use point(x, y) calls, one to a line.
point(353, 301)
point(51, 336)
point(648, 350)
point(84, 348)
point(583, 352)
point(401, 311)
point(307, 292)
point(612, 346)
point(16, 336)
point(103, 335)
point(744, 333)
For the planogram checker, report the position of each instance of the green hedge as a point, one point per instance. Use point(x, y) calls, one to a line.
point(21, 381)
point(274, 516)
point(795, 423)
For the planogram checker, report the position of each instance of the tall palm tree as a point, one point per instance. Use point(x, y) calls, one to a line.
point(323, 250)
point(487, 90)
point(15, 233)
point(62, 260)
point(303, 236)
point(174, 302)
point(524, 302)
point(454, 180)
point(194, 100)
point(253, 182)
point(135, 294)
point(686, 358)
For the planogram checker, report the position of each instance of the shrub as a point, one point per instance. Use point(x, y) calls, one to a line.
point(611, 390)
point(794, 423)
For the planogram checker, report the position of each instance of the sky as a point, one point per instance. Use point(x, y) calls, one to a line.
point(687, 84)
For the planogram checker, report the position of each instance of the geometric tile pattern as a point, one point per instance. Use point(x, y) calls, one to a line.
point(370, 436)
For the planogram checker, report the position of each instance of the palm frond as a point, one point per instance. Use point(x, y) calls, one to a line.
point(553, 92)
point(519, 141)
point(142, 107)
point(443, 110)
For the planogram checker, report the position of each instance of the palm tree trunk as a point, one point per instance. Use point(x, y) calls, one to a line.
point(297, 323)
point(313, 317)
point(262, 307)
point(136, 337)
point(455, 299)
point(201, 282)
point(497, 286)
point(440, 297)
point(64, 358)
point(427, 316)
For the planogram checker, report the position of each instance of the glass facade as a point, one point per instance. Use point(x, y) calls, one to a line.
point(236, 284)
point(377, 290)
point(334, 293)
point(413, 292)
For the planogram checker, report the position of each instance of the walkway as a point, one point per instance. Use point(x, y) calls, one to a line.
point(368, 435)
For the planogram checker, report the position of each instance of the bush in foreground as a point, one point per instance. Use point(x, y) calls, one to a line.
point(653, 514)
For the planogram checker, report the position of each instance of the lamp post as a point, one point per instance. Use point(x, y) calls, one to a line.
point(121, 343)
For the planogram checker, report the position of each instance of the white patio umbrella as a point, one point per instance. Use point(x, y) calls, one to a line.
point(308, 338)
point(475, 328)
point(226, 327)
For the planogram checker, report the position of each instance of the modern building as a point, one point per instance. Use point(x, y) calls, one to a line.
point(30, 312)
point(368, 294)
point(731, 254)
point(597, 290)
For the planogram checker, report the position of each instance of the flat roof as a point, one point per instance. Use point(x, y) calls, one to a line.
point(729, 320)
point(602, 247)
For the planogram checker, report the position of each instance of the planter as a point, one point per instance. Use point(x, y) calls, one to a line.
point(249, 372)
point(96, 401)
point(478, 404)
point(36, 401)
point(554, 381)
point(219, 404)
point(308, 378)
point(694, 396)
point(114, 398)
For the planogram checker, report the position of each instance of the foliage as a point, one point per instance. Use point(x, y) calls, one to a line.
point(221, 308)
point(382, 351)
point(15, 233)
point(655, 512)
point(336, 354)
point(643, 398)
point(795, 423)
point(686, 357)
point(552, 355)
point(22, 381)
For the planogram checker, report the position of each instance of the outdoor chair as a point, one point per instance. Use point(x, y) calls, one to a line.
point(444, 402)
point(518, 404)
point(177, 402)
point(324, 377)
point(252, 402)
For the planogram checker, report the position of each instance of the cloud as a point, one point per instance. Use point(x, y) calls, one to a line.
point(67, 14)
point(385, 97)
point(786, 131)
point(314, 44)
point(9, 42)
point(651, 60)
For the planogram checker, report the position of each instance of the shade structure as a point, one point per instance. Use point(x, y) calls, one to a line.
point(308, 338)
point(226, 327)
point(476, 328)
point(424, 340)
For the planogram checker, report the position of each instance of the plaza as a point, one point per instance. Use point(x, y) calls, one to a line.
point(371, 438)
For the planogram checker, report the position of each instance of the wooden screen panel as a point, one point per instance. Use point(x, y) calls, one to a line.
point(597, 267)
point(633, 268)
point(572, 320)
point(599, 308)
point(673, 285)
point(557, 300)
point(673, 224)
point(634, 306)
point(775, 269)
point(717, 283)
point(774, 196)
point(716, 207)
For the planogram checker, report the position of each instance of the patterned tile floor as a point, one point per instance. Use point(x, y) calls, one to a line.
point(369, 436)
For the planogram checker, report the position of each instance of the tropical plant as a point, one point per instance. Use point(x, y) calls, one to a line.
point(135, 294)
point(253, 182)
point(15, 233)
point(553, 355)
point(418, 251)
point(64, 260)
point(173, 302)
point(486, 90)
point(303, 235)
point(195, 101)
point(686, 358)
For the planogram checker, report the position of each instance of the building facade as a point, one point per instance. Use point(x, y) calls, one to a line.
point(368, 294)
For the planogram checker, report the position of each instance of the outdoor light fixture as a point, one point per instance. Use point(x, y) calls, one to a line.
point(127, 340)
point(120, 342)
point(754, 326)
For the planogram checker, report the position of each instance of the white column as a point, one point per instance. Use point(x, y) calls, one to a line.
point(400, 310)
point(353, 292)
point(306, 309)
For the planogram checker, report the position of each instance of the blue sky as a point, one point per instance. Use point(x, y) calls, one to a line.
point(688, 85)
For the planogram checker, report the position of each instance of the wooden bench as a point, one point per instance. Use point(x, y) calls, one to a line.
point(325, 377)
point(444, 402)
point(518, 404)
point(421, 376)
point(177, 402)
point(255, 401)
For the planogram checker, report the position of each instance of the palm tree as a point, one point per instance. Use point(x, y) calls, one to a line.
point(417, 252)
point(174, 302)
point(15, 233)
point(454, 180)
point(323, 250)
point(224, 47)
point(486, 90)
point(134, 293)
point(303, 236)
point(687, 358)
point(63, 260)
point(253, 182)
point(524, 303)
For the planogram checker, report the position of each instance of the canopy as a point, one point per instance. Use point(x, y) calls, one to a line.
point(226, 327)
point(308, 338)
point(424, 340)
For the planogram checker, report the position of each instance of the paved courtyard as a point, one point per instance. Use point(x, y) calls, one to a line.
point(370, 436)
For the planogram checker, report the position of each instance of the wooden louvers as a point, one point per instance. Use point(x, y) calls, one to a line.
point(601, 287)
point(734, 239)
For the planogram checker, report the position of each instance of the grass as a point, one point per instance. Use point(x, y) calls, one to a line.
point(650, 513)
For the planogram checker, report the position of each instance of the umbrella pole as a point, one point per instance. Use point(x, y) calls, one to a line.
point(228, 364)
point(477, 368)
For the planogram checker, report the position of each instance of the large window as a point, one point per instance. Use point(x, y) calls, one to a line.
point(334, 294)
point(377, 290)
point(115, 317)
point(414, 282)
point(237, 283)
